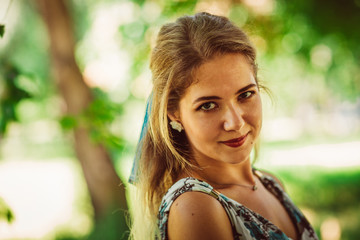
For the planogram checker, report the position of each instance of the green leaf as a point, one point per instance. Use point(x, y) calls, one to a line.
point(9, 216)
point(5, 211)
point(2, 30)
point(68, 122)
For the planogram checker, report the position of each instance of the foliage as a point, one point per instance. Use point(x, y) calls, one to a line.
point(2, 30)
point(98, 117)
point(24, 70)
point(306, 55)
point(326, 193)
point(11, 95)
point(112, 226)
point(2, 26)
point(5, 212)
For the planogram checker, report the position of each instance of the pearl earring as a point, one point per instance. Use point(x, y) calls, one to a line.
point(176, 125)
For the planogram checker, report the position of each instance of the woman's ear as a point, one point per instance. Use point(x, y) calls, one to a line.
point(175, 122)
point(174, 116)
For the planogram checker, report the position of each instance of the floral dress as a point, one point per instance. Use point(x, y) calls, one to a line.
point(245, 223)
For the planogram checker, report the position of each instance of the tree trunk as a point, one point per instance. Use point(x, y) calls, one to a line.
point(106, 191)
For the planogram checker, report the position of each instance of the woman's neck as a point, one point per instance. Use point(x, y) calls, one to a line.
point(226, 174)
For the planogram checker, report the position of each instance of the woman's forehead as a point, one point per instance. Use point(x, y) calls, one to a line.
point(230, 71)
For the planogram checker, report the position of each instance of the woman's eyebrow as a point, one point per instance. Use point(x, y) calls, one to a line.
point(251, 85)
point(206, 98)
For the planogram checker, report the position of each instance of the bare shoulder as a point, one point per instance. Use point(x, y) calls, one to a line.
point(196, 215)
point(272, 176)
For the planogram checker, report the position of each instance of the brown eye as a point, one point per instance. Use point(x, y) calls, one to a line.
point(208, 106)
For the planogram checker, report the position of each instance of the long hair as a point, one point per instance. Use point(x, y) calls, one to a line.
point(180, 49)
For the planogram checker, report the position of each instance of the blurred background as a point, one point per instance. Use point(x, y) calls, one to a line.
point(74, 79)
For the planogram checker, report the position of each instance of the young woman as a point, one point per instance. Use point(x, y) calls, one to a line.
point(194, 173)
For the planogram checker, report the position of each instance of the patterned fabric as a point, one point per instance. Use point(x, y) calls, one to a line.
point(245, 223)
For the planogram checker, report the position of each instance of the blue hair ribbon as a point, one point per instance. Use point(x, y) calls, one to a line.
point(134, 172)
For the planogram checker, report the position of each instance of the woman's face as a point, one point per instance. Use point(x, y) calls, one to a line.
point(221, 112)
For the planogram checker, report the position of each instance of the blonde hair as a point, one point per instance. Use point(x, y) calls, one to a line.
point(181, 47)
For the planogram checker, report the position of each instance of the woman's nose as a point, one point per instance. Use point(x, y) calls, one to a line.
point(233, 119)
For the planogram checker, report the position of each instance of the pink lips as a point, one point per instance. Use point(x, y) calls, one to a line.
point(236, 142)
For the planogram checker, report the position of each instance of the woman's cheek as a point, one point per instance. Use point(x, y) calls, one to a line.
point(203, 126)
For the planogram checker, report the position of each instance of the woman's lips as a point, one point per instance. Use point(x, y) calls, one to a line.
point(236, 142)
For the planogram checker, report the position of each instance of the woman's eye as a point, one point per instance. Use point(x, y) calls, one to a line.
point(246, 95)
point(208, 106)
